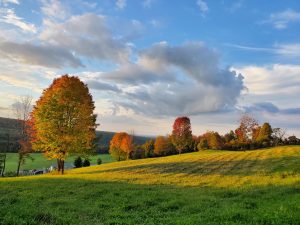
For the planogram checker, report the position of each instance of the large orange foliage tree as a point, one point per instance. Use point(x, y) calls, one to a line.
point(63, 120)
point(121, 146)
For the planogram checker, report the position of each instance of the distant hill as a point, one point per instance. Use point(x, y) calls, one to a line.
point(9, 134)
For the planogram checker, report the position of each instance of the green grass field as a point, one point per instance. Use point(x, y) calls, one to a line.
point(209, 187)
point(40, 162)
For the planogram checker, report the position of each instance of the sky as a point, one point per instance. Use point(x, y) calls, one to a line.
point(147, 62)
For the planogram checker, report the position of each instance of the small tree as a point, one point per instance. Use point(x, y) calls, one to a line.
point(163, 146)
point(2, 163)
point(99, 161)
point(22, 109)
point(265, 134)
point(149, 148)
point(78, 162)
point(215, 141)
point(278, 136)
point(86, 163)
point(121, 146)
point(229, 137)
point(203, 144)
point(182, 137)
point(293, 140)
point(138, 152)
point(247, 130)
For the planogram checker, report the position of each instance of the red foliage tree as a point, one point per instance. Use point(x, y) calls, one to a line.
point(182, 137)
point(247, 129)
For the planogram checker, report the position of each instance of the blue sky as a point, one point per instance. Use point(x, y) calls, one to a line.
point(147, 62)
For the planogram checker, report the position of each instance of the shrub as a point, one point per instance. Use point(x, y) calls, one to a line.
point(10, 174)
point(203, 144)
point(78, 162)
point(99, 161)
point(163, 146)
point(86, 163)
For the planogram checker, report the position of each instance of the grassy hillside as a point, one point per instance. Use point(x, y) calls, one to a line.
point(209, 187)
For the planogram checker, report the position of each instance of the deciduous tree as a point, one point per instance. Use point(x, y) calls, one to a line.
point(121, 146)
point(22, 108)
point(182, 137)
point(248, 126)
point(265, 134)
point(163, 146)
point(64, 121)
point(149, 148)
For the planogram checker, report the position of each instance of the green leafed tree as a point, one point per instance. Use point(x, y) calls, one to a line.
point(203, 144)
point(148, 147)
point(63, 120)
point(265, 134)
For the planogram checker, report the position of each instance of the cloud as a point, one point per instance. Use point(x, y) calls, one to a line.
point(262, 80)
point(147, 3)
point(8, 16)
point(286, 50)
point(202, 6)
point(261, 107)
point(121, 4)
point(290, 50)
point(6, 2)
point(86, 35)
point(176, 80)
point(155, 23)
point(54, 9)
point(101, 86)
point(236, 5)
point(42, 55)
point(281, 20)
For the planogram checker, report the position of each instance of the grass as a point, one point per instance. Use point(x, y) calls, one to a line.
point(40, 162)
point(209, 187)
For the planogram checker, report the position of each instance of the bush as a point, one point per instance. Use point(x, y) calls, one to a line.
point(99, 161)
point(78, 162)
point(10, 174)
point(203, 144)
point(86, 163)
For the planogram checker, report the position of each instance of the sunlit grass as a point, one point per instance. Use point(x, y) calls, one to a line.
point(278, 166)
point(209, 187)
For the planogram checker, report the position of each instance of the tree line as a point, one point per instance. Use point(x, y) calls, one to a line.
point(249, 135)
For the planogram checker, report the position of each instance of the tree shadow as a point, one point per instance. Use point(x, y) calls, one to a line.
point(244, 167)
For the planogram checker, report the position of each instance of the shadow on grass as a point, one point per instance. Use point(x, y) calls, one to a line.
point(77, 201)
point(242, 167)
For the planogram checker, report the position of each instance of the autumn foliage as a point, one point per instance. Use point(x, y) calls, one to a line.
point(163, 146)
point(182, 134)
point(121, 146)
point(63, 120)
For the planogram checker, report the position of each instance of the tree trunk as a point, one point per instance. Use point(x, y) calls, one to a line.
point(62, 166)
point(4, 166)
point(58, 165)
point(19, 165)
